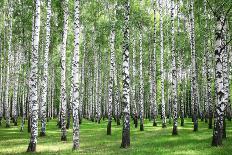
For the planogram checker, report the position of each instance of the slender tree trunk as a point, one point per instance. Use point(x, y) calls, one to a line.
point(134, 105)
point(82, 86)
point(23, 105)
point(45, 73)
point(154, 89)
point(75, 67)
point(141, 90)
point(33, 81)
point(174, 74)
point(99, 91)
point(162, 64)
point(1, 82)
point(194, 74)
point(110, 101)
point(7, 101)
point(126, 81)
point(111, 80)
point(63, 72)
point(28, 97)
point(16, 81)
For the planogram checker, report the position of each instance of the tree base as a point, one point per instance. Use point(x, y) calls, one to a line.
point(63, 138)
point(141, 127)
point(75, 148)
point(7, 125)
point(182, 123)
point(31, 147)
point(164, 125)
point(21, 129)
point(67, 125)
point(16, 123)
point(136, 121)
point(109, 128)
point(118, 122)
point(216, 142)
point(195, 127)
point(206, 120)
point(42, 134)
point(154, 123)
point(174, 131)
point(125, 139)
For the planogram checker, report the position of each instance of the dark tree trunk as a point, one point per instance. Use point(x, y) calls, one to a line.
point(31, 147)
point(136, 120)
point(109, 128)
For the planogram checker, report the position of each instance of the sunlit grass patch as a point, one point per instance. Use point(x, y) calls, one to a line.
point(93, 140)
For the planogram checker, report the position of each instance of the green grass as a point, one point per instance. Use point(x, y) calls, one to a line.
point(93, 139)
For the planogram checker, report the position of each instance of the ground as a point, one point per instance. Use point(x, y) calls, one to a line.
point(93, 140)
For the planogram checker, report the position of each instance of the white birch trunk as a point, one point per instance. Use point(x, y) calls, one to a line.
point(75, 67)
point(45, 72)
point(33, 100)
point(63, 73)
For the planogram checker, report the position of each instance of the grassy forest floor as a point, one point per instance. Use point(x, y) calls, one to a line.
point(93, 139)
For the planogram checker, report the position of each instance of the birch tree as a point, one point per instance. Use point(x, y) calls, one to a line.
point(153, 76)
point(126, 80)
point(141, 90)
point(33, 81)
point(174, 73)
point(7, 89)
point(194, 74)
point(221, 104)
point(45, 72)
point(75, 67)
point(134, 105)
point(162, 64)
point(111, 80)
point(63, 72)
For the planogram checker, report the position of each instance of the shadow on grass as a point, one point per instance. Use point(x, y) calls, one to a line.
point(93, 139)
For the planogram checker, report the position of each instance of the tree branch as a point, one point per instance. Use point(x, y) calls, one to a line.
point(214, 13)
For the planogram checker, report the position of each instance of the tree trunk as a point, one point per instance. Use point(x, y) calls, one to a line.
point(45, 73)
point(111, 80)
point(134, 105)
point(7, 89)
point(63, 72)
point(75, 68)
point(174, 74)
point(16, 81)
point(33, 81)
point(162, 64)
point(141, 90)
point(220, 104)
point(154, 85)
point(126, 81)
point(194, 74)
